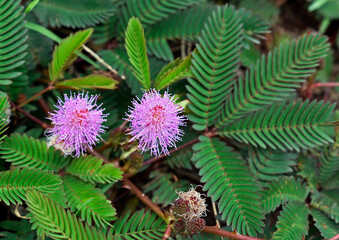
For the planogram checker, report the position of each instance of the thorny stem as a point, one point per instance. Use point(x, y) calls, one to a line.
point(50, 87)
point(170, 152)
point(168, 232)
point(38, 121)
point(231, 235)
point(155, 208)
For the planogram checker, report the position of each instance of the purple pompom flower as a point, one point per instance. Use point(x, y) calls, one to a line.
point(77, 123)
point(155, 122)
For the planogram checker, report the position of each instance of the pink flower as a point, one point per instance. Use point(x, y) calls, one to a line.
point(155, 122)
point(77, 123)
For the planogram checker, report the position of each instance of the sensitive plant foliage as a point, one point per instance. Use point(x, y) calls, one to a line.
point(260, 138)
point(155, 122)
point(77, 123)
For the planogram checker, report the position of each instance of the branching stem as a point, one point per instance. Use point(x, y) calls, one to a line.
point(230, 235)
point(50, 87)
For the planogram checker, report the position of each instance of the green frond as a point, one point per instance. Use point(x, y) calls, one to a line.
point(254, 26)
point(4, 116)
point(306, 166)
point(105, 32)
point(330, 9)
point(15, 183)
point(332, 182)
point(326, 226)
point(180, 159)
point(274, 77)
point(288, 126)
point(89, 201)
point(141, 225)
point(230, 183)
point(326, 204)
point(51, 219)
point(75, 13)
point(27, 152)
point(329, 165)
point(173, 72)
point(164, 187)
point(118, 59)
point(90, 169)
point(267, 166)
point(135, 44)
point(12, 40)
point(293, 222)
point(281, 191)
point(66, 52)
point(214, 66)
point(93, 81)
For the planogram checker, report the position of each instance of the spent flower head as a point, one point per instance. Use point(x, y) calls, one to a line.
point(155, 122)
point(77, 123)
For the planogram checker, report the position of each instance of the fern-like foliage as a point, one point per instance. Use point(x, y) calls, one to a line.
point(281, 191)
point(289, 126)
point(4, 116)
point(274, 77)
point(326, 204)
point(136, 49)
point(89, 201)
point(268, 166)
point(51, 219)
point(214, 66)
point(90, 169)
point(329, 165)
point(173, 72)
point(15, 183)
point(180, 159)
point(12, 40)
point(74, 14)
point(230, 183)
point(332, 182)
point(24, 151)
point(141, 225)
point(164, 188)
point(66, 53)
point(326, 226)
point(292, 222)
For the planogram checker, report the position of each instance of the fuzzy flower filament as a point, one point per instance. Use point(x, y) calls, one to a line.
point(155, 121)
point(77, 123)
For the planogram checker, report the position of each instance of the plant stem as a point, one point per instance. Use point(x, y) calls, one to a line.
point(38, 121)
point(231, 235)
point(95, 153)
point(325, 84)
point(168, 232)
point(143, 198)
point(50, 87)
point(336, 237)
point(170, 152)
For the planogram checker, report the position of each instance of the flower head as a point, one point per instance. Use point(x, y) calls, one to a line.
point(77, 123)
point(155, 122)
point(194, 203)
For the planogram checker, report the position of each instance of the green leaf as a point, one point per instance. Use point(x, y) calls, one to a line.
point(326, 204)
point(135, 44)
point(173, 72)
point(288, 126)
point(326, 226)
point(4, 116)
point(230, 183)
point(89, 201)
point(75, 13)
point(24, 151)
point(274, 77)
point(268, 166)
point(31, 6)
point(51, 219)
point(141, 225)
point(329, 165)
point(281, 191)
point(214, 66)
point(93, 81)
point(90, 169)
point(15, 183)
point(12, 40)
point(292, 222)
point(164, 187)
point(66, 53)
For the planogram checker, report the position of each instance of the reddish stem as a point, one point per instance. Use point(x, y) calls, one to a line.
point(336, 237)
point(231, 235)
point(50, 87)
point(38, 121)
point(170, 152)
point(168, 232)
point(325, 84)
